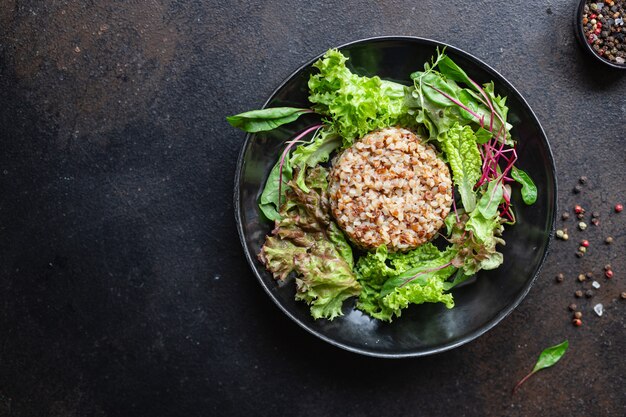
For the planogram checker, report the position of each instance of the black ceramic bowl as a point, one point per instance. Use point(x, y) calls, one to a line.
point(427, 328)
point(580, 35)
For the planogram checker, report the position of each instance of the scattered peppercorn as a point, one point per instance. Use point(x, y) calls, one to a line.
point(578, 209)
point(589, 293)
point(565, 216)
point(580, 254)
point(595, 214)
point(572, 307)
point(577, 189)
point(580, 216)
point(577, 322)
point(608, 273)
point(595, 221)
point(578, 315)
point(607, 267)
point(565, 236)
point(582, 277)
point(582, 180)
point(578, 293)
point(585, 243)
point(608, 240)
point(623, 295)
point(560, 277)
point(589, 274)
point(619, 208)
point(582, 249)
point(582, 225)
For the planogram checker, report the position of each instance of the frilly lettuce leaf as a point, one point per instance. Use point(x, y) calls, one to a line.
point(305, 241)
point(459, 145)
point(431, 291)
point(393, 281)
point(354, 105)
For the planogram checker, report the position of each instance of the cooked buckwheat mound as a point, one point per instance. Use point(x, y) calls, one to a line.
point(390, 188)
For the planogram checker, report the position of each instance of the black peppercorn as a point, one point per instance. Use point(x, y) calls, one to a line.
point(589, 293)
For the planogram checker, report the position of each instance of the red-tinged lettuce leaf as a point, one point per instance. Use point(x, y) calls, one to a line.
point(279, 256)
point(305, 241)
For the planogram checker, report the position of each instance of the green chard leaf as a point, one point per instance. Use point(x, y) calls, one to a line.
point(551, 355)
point(265, 119)
point(452, 71)
point(355, 105)
point(547, 358)
point(529, 189)
point(459, 145)
point(306, 242)
point(268, 202)
point(483, 135)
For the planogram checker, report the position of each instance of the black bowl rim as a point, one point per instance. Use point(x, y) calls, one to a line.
point(424, 352)
point(580, 35)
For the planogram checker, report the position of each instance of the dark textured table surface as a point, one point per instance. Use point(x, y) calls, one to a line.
point(123, 287)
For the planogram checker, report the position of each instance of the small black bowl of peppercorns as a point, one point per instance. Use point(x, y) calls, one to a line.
point(601, 30)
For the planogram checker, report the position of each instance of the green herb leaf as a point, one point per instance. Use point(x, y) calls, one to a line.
point(547, 358)
point(529, 189)
point(265, 119)
point(490, 200)
point(550, 356)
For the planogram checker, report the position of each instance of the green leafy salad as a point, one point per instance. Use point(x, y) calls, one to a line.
point(465, 122)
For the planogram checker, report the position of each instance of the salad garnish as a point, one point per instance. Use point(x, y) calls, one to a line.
point(464, 121)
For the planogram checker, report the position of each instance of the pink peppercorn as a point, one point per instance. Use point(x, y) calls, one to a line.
point(619, 208)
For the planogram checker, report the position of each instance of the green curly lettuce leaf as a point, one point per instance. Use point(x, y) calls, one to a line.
point(354, 105)
point(461, 150)
point(306, 242)
point(392, 281)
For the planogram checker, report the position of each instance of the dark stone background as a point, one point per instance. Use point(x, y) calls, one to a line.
point(123, 287)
